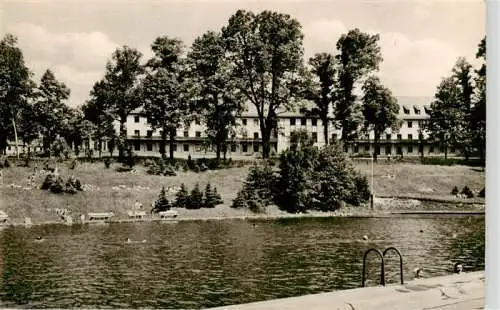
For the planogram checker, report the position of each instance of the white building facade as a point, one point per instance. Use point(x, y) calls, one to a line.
point(409, 140)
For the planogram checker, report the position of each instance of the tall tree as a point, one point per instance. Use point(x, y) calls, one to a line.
point(121, 81)
point(478, 114)
point(266, 53)
point(463, 75)
point(51, 108)
point(165, 102)
point(97, 110)
point(359, 55)
point(445, 109)
point(16, 87)
point(218, 100)
point(380, 109)
point(322, 90)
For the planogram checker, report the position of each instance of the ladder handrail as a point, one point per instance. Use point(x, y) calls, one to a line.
point(400, 260)
point(382, 266)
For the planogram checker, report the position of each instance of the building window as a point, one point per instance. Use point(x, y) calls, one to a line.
point(137, 119)
point(175, 147)
point(314, 122)
point(388, 149)
point(186, 134)
point(245, 148)
point(410, 149)
point(406, 110)
point(197, 122)
point(400, 137)
point(388, 136)
point(8, 148)
point(315, 136)
point(256, 135)
point(244, 121)
point(255, 147)
point(148, 121)
point(303, 121)
point(410, 124)
point(149, 133)
point(149, 146)
point(431, 149)
point(137, 133)
point(233, 148)
point(186, 147)
point(410, 136)
point(356, 149)
point(292, 121)
point(198, 134)
point(367, 147)
point(256, 122)
point(137, 146)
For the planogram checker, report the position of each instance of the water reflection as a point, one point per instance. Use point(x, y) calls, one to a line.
point(204, 264)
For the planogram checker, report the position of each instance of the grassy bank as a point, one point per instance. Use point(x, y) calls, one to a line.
point(107, 189)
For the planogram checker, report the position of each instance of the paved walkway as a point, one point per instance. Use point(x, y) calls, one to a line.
point(457, 292)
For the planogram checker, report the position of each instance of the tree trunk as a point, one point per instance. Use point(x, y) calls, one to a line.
point(123, 137)
point(163, 142)
point(217, 150)
point(172, 143)
point(375, 146)
point(266, 146)
point(325, 129)
point(15, 136)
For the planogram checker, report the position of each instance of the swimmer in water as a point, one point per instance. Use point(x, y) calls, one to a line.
point(459, 268)
point(39, 238)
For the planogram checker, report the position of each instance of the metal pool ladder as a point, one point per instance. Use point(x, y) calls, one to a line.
point(382, 264)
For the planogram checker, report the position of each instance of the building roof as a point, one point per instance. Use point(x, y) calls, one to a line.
point(411, 107)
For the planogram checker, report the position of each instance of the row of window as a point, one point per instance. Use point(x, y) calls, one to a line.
point(197, 148)
point(149, 134)
point(399, 149)
point(293, 121)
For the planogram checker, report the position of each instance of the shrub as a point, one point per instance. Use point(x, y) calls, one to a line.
point(455, 191)
point(169, 171)
point(209, 199)
point(124, 169)
point(261, 180)
point(212, 198)
point(162, 203)
point(467, 192)
point(49, 180)
point(240, 201)
point(73, 164)
point(182, 197)
point(196, 198)
point(318, 179)
point(107, 162)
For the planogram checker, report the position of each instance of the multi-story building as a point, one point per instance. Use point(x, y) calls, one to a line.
point(408, 140)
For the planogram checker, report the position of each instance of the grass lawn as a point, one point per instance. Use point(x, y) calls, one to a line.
point(111, 190)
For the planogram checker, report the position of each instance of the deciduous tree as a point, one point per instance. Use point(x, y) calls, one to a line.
point(380, 109)
point(163, 91)
point(266, 54)
point(359, 55)
point(321, 92)
point(217, 99)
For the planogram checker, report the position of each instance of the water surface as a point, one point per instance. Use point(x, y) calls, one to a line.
point(205, 264)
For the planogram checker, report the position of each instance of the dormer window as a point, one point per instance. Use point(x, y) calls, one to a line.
point(406, 110)
point(427, 110)
point(416, 109)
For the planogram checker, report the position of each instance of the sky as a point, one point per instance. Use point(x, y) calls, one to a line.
point(420, 39)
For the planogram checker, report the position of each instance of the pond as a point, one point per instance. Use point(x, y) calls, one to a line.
point(199, 264)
